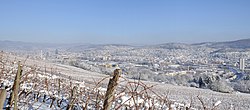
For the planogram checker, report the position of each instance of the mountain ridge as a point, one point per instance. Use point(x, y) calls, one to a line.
point(29, 46)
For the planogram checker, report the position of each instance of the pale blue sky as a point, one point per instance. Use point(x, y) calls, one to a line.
point(124, 21)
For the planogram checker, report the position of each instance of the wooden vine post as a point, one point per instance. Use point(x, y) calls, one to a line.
point(110, 93)
point(15, 88)
point(2, 98)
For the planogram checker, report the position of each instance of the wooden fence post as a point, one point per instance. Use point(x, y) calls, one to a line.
point(15, 88)
point(2, 98)
point(72, 98)
point(110, 93)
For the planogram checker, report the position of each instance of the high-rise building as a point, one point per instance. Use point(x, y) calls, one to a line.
point(242, 64)
point(41, 54)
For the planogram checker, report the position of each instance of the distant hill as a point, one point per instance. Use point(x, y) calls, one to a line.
point(26, 46)
point(173, 46)
point(16, 45)
point(81, 47)
point(238, 44)
point(242, 44)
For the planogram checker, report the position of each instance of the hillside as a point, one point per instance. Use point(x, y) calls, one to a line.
point(238, 44)
point(176, 94)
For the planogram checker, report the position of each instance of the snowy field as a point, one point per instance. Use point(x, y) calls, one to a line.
point(47, 86)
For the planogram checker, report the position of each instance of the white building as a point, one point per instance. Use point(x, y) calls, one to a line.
point(242, 64)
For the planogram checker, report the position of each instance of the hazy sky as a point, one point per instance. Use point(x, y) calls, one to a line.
point(124, 21)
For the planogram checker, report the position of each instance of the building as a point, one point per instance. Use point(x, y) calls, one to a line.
point(242, 64)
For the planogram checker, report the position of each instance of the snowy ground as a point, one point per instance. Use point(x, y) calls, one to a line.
point(178, 94)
